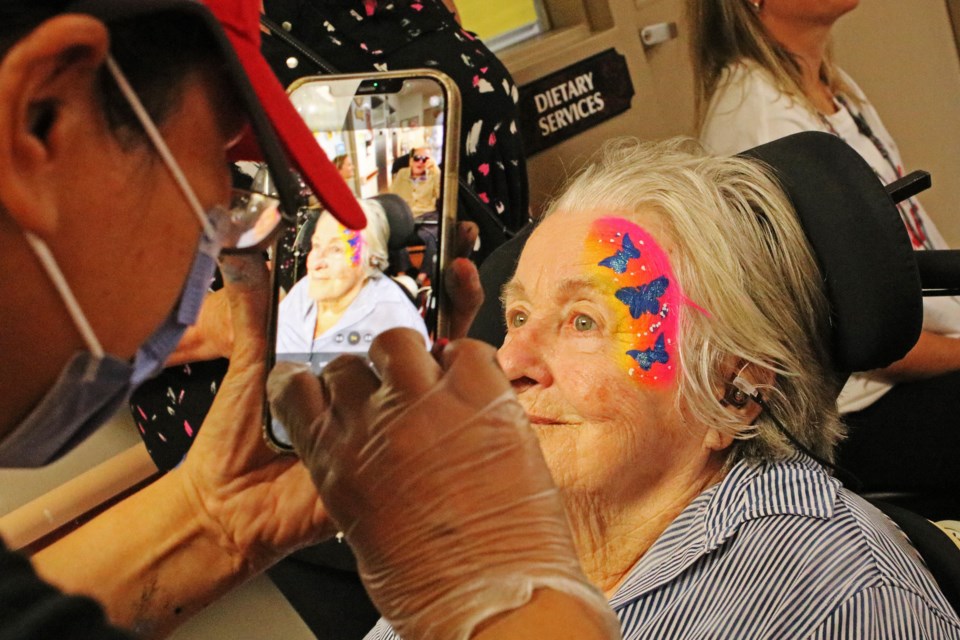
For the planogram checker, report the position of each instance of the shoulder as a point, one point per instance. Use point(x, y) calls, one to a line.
point(745, 84)
point(783, 530)
point(382, 631)
point(748, 109)
point(885, 611)
point(849, 557)
point(393, 305)
point(890, 553)
point(386, 291)
point(294, 302)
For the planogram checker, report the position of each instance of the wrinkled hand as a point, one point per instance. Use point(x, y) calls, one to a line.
point(262, 505)
point(211, 336)
point(436, 479)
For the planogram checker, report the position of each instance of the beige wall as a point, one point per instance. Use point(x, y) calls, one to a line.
point(902, 53)
point(904, 56)
point(661, 77)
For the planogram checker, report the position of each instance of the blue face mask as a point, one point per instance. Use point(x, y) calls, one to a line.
point(93, 385)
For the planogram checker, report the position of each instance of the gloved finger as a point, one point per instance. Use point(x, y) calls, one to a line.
point(467, 234)
point(472, 370)
point(247, 285)
point(461, 286)
point(350, 382)
point(299, 401)
point(244, 271)
point(403, 363)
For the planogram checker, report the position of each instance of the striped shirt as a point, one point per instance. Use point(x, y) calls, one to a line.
point(778, 550)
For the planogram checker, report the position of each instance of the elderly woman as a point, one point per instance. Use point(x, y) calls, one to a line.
point(344, 300)
point(666, 329)
point(763, 70)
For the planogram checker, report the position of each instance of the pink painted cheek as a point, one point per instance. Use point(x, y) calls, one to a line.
point(645, 296)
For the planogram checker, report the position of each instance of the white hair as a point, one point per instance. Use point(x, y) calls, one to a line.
point(376, 236)
point(743, 258)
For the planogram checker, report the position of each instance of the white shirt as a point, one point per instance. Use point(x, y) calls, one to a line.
point(748, 110)
point(379, 306)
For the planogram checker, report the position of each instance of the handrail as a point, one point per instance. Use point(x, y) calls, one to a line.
point(76, 498)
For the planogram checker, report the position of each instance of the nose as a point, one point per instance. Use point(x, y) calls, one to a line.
point(523, 358)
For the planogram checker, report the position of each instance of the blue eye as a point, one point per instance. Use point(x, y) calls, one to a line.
point(584, 323)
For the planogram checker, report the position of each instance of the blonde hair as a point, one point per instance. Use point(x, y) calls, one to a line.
point(742, 257)
point(723, 32)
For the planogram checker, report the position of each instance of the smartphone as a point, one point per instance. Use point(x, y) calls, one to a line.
point(394, 136)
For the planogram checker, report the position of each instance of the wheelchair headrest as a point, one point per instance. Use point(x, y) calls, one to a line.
point(399, 217)
point(863, 251)
point(861, 246)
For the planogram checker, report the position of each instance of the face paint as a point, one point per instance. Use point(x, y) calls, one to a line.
point(645, 297)
point(354, 248)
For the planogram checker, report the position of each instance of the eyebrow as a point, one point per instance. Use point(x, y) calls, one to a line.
point(568, 289)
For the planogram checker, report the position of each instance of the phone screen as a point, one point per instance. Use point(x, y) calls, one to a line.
point(394, 138)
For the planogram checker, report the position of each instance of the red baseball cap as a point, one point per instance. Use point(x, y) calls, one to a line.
point(277, 134)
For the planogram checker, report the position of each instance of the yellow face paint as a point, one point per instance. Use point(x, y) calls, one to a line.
point(645, 296)
point(353, 245)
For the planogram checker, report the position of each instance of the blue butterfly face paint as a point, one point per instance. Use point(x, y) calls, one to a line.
point(644, 298)
point(621, 259)
point(644, 291)
point(649, 357)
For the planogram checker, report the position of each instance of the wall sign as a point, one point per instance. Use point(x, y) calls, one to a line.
point(572, 100)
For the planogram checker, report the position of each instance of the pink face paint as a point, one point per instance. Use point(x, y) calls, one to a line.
point(645, 295)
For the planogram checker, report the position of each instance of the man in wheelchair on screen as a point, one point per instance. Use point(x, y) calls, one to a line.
point(418, 184)
point(345, 299)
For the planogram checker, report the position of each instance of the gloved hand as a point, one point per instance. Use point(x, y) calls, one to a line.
point(437, 481)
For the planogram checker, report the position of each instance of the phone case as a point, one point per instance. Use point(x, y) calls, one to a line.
point(365, 87)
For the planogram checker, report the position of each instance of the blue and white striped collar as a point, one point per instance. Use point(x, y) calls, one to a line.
point(795, 486)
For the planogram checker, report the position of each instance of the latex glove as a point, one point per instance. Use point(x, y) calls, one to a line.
point(438, 482)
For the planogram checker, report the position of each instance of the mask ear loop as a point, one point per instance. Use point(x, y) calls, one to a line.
point(45, 256)
point(162, 149)
point(49, 264)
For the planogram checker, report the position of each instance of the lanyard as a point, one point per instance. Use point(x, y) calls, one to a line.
point(909, 211)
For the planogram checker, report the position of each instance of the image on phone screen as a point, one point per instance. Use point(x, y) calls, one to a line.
point(393, 137)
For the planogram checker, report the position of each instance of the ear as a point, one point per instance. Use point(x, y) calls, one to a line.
point(44, 79)
point(739, 377)
point(716, 440)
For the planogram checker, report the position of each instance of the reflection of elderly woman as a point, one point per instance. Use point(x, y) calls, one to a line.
point(663, 291)
point(344, 300)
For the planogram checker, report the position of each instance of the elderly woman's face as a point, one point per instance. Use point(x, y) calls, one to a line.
point(591, 350)
point(335, 262)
